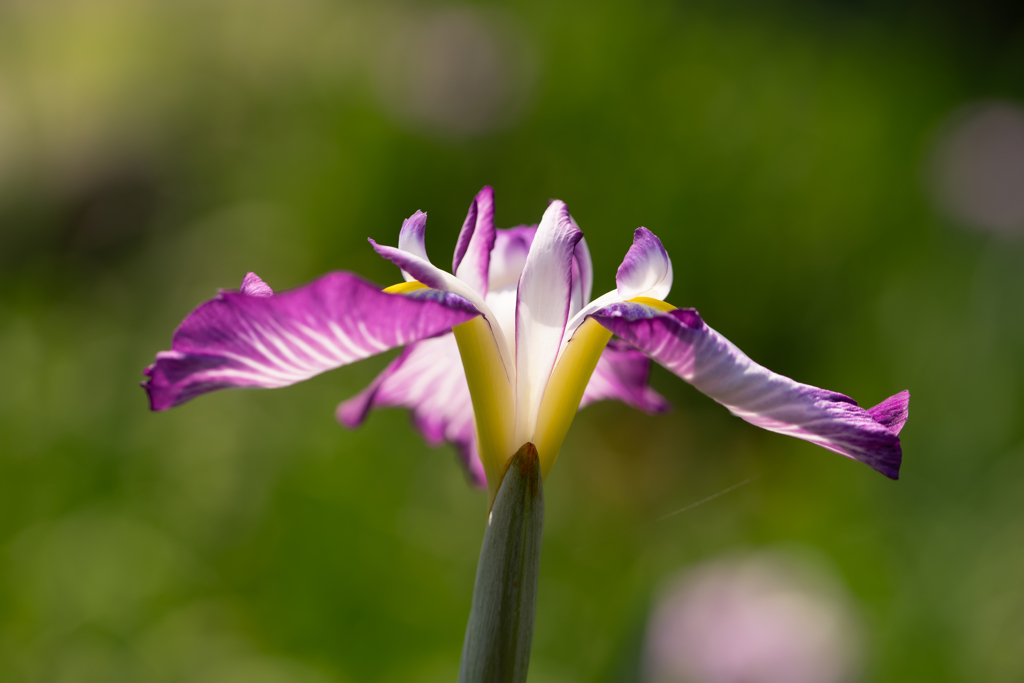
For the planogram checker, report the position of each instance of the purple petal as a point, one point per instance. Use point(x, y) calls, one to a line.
point(683, 343)
point(427, 378)
point(542, 310)
point(892, 412)
point(473, 250)
point(621, 375)
point(646, 270)
point(238, 340)
point(252, 285)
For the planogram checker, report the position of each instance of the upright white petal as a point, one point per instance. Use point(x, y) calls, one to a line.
point(646, 270)
point(412, 239)
point(542, 311)
point(476, 241)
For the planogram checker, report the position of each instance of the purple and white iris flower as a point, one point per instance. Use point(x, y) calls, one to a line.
point(504, 350)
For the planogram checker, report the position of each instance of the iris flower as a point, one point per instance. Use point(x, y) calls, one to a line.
point(504, 350)
point(499, 356)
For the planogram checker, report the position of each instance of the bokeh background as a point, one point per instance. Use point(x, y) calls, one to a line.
point(841, 188)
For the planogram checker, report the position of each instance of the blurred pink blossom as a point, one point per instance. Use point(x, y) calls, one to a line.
point(762, 619)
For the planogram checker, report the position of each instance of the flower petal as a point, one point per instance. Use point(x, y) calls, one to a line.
point(542, 310)
point(511, 247)
point(428, 379)
point(415, 267)
point(893, 412)
point(435, 278)
point(239, 340)
point(621, 375)
point(252, 285)
point(412, 239)
point(646, 270)
point(683, 343)
point(582, 277)
point(473, 250)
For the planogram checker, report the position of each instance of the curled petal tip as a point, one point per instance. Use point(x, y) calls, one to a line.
point(647, 269)
point(414, 225)
point(892, 413)
point(352, 413)
point(253, 285)
point(412, 237)
point(476, 242)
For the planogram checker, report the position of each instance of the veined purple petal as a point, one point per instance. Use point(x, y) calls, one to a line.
point(646, 270)
point(621, 375)
point(239, 340)
point(683, 343)
point(252, 285)
point(893, 412)
point(542, 310)
point(473, 250)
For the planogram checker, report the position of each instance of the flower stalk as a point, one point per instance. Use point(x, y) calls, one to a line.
point(500, 628)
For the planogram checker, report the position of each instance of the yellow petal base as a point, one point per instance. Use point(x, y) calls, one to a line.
point(490, 388)
point(404, 287)
point(492, 391)
point(653, 303)
point(565, 389)
point(569, 380)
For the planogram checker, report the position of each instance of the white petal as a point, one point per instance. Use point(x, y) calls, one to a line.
point(646, 270)
point(476, 241)
point(412, 239)
point(542, 310)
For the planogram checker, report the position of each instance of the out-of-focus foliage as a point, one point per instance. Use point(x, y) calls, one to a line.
point(151, 152)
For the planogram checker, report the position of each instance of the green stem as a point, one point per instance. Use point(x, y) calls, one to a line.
point(500, 629)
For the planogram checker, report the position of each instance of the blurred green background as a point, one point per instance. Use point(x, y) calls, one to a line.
point(152, 152)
